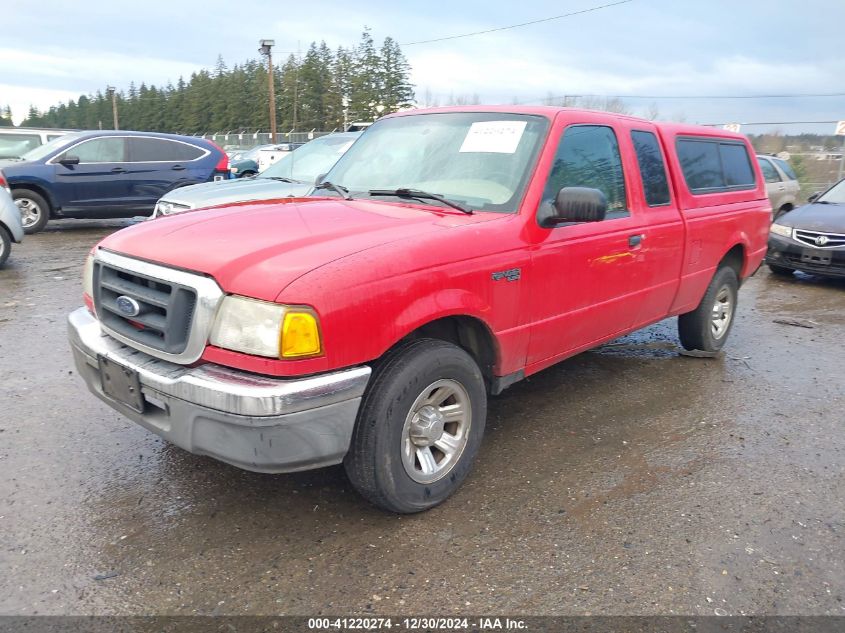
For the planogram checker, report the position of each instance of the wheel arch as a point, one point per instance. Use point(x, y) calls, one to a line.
point(40, 190)
point(470, 333)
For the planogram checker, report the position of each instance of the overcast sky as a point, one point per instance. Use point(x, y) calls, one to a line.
point(54, 50)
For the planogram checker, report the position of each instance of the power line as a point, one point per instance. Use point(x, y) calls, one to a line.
point(514, 26)
point(772, 96)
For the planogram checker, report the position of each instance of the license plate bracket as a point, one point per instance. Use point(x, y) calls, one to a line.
point(121, 383)
point(815, 256)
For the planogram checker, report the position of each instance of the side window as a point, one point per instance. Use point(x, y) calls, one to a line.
point(735, 165)
point(711, 165)
point(100, 150)
point(588, 156)
point(700, 164)
point(786, 168)
point(142, 150)
point(770, 174)
point(652, 168)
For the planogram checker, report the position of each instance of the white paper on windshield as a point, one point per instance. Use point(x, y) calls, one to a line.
point(498, 137)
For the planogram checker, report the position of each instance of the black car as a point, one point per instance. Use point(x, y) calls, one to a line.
point(811, 238)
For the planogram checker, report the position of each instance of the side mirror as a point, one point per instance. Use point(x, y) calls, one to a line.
point(574, 204)
point(67, 161)
point(814, 197)
point(319, 179)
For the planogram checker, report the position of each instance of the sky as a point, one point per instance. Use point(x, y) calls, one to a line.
point(54, 50)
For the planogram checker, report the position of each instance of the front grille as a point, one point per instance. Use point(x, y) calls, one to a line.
point(819, 239)
point(166, 309)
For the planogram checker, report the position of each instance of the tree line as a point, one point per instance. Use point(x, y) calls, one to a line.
point(322, 89)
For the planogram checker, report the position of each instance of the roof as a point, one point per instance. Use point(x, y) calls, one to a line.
point(550, 112)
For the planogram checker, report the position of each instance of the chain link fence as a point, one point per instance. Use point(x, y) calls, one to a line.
point(244, 140)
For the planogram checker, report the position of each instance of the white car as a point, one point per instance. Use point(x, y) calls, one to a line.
point(11, 229)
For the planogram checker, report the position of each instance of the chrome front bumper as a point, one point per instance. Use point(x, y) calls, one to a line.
point(254, 422)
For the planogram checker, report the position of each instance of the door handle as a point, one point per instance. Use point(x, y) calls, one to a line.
point(635, 240)
point(118, 170)
point(177, 168)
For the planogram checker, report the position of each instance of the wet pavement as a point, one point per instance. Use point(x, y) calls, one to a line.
point(627, 480)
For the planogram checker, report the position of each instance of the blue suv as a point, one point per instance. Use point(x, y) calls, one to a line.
point(107, 174)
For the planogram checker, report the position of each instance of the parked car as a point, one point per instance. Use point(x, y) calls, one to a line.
point(108, 174)
point(245, 163)
point(447, 255)
point(17, 141)
point(781, 184)
point(811, 238)
point(292, 175)
point(272, 153)
point(11, 230)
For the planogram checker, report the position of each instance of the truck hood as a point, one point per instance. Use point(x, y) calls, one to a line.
point(211, 194)
point(258, 249)
point(817, 216)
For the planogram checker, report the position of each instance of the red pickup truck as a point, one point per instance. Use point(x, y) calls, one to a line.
point(448, 254)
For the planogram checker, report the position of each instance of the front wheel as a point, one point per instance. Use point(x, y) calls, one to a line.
point(707, 327)
point(419, 427)
point(35, 211)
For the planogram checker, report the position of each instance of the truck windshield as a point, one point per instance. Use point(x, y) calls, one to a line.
point(481, 160)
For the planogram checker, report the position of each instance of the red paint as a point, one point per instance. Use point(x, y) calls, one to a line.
point(375, 271)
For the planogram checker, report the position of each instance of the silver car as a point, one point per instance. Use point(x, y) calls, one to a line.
point(292, 175)
point(782, 186)
point(11, 229)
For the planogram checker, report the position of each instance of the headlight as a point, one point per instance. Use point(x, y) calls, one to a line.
point(88, 276)
point(266, 329)
point(780, 229)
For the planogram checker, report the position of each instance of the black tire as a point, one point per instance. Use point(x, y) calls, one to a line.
point(247, 174)
point(39, 201)
point(781, 270)
point(696, 329)
point(5, 245)
point(375, 464)
point(781, 212)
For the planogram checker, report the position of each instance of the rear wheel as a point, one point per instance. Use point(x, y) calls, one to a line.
point(5, 245)
point(247, 174)
point(35, 211)
point(781, 270)
point(419, 427)
point(707, 327)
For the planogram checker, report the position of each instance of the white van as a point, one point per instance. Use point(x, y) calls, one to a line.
point(17, 141)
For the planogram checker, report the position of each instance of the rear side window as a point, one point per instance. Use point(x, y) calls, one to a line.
point(770, 174)
point(652, 168)
point(146, 150)
point(786, 167)
point(588, 156)
point(713, 165)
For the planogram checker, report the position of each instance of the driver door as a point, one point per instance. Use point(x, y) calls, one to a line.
point(99, 181)
point(587, 276)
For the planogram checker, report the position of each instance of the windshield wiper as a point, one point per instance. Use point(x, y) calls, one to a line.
point(282, 179)
point(343, 191)
point(403, 192)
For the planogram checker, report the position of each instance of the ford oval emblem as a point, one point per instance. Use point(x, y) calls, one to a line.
point(127, 306)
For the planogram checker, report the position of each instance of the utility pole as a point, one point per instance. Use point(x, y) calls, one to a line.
point(113, 94)
point(265, 47)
